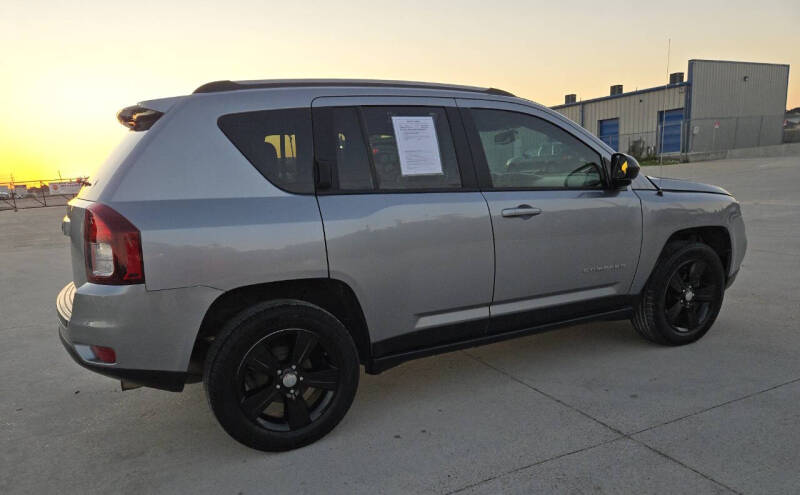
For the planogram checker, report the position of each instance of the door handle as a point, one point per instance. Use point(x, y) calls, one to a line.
point(521, 211)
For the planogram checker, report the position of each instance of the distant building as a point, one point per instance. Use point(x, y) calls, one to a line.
point(721, 105)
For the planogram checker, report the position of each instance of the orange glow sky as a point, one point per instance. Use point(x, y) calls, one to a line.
point(67, 67)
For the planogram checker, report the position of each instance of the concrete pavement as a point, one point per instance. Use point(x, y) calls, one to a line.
point(591, 408)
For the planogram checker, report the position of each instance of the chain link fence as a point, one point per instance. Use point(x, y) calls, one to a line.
point(20, 195)
point(713, 134)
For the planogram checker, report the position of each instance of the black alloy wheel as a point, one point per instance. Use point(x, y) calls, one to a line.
point(683, 296)
point(281, 375)
point(287, 379)
point(691, 295)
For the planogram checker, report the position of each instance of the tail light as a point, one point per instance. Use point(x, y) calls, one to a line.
point(113, 248)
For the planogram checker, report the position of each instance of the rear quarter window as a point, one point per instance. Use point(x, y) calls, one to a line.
point(277, 143)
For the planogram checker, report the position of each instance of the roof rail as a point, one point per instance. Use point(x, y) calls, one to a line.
point(226, 85)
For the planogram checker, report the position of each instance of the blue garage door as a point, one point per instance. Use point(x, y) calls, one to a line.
point(608, 131)
point(669, 130)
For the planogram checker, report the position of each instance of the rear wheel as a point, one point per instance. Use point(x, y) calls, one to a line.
point(683, 296)
point(281, 375)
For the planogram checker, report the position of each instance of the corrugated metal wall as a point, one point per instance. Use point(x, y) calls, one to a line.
point(572, 112)
point(727, 111)
point(736, 104)
point(637, 114)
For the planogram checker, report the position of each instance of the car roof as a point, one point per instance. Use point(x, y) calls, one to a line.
point(227, 85)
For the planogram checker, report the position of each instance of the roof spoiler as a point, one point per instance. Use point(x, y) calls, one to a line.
point(138, 118)
point(144, 114)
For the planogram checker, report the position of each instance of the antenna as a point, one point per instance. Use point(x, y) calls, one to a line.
point(663, 114)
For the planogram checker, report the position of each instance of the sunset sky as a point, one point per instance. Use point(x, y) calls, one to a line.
point(67, 67)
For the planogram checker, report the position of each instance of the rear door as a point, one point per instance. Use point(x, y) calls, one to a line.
point(405, 224)
point(565, 245)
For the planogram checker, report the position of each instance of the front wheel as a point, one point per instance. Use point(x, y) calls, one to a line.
point(281, 375)
point(683, 296)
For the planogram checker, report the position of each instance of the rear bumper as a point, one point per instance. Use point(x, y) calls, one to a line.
point(151, 332)
point(172, 381)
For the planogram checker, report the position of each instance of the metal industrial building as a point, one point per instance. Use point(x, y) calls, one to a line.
point(722, 105)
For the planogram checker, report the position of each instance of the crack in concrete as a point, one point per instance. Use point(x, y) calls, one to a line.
point(543, 461)
point(620, 433)
point(721, 404)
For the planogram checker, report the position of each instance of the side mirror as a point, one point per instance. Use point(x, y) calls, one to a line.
point(624, 168)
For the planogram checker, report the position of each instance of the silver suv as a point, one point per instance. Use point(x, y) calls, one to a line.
point(268, 237)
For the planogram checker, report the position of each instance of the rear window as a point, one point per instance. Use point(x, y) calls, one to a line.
point(277, 143)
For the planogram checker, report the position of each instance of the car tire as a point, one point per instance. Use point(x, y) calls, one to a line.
point(683, 297)
point(281, 375)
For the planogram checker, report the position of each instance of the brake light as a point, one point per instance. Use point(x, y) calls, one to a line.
point(112, 246)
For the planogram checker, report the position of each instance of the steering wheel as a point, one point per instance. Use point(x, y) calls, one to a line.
point(582, 169)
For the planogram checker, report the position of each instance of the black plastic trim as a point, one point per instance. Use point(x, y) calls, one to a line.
point(172, 381)
point(552, 314)
point(227, 85)
point(469, 176)
point(383, 363)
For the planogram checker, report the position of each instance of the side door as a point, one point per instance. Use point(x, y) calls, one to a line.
point(566, 245)
point(405, 224)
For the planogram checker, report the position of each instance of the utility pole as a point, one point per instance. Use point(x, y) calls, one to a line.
point(663, 112)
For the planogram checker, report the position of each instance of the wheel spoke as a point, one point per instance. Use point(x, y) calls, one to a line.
point(296, 412)
point(255, 403)
point(706, 294)
point(676, 283)
point(696, 271)
point(304, 343)
point(325, 379)
point(673, 312)
point(262, 360)
point(691, 318)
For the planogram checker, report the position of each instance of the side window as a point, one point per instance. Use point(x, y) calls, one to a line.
point(411, 148)
point(345, 145)
point(277, 143)
point(523, 151)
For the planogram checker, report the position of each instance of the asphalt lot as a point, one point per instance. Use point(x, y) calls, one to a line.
point(591, 408)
